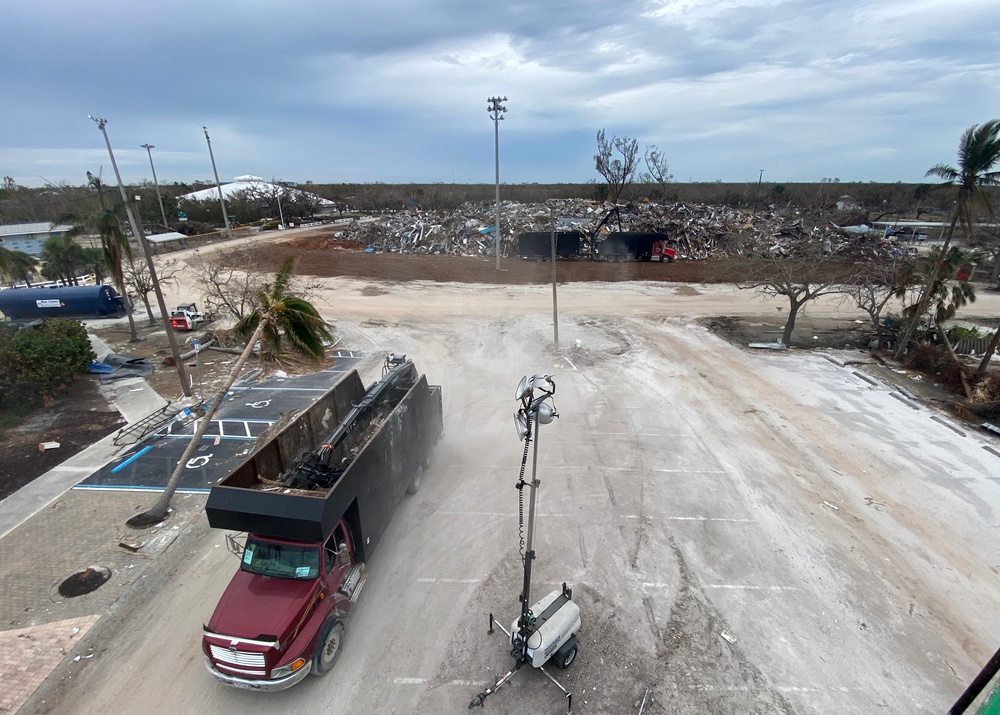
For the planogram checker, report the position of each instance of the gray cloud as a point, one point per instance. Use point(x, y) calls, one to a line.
point(396, 91)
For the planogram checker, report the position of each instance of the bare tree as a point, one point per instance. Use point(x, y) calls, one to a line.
point(233, 277)
point(872, 285)
point(618, 171)
point(137, 278)
point(803, 277)
point(658, 167)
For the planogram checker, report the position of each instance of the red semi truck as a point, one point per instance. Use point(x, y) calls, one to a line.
point(312, 523)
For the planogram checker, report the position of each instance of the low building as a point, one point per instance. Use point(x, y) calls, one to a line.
point(29, 237)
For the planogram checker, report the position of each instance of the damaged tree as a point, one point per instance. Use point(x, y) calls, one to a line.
point(138, 279)
point(618, 172)
point(658, 168)
point(805, 276)
point(978, 155)
point(872, 285)
point(947, 293)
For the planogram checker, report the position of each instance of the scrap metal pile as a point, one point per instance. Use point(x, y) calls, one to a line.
point(698, 231)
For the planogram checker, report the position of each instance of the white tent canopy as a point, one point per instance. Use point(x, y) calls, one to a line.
point(254, 184)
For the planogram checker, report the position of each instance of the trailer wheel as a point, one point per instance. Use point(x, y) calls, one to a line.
point(328, 646)
point(620, 258)
point(566, 659)
point(418, 477)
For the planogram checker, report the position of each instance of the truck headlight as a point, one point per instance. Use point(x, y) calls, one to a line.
point(288, 669)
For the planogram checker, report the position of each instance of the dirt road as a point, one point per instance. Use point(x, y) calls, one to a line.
point(745, 532)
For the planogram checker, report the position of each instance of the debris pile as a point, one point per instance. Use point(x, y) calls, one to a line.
point(698, 231)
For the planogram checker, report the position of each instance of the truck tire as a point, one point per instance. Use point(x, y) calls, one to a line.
point(418, 477)
point(620, 258)
point(328, 646)
point(565, 660)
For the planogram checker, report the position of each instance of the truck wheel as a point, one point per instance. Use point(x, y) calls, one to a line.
point(328, 646)
point(567, 658)
point(620, 258)
point(418, 477)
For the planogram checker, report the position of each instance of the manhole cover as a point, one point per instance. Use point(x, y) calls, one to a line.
point(84, 581)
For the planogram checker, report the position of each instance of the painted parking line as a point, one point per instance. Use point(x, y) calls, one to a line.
point(724, 586)
point(421, 681)
point(691, 518)
point(689, 471)
point(745, 587)
point(447, 580)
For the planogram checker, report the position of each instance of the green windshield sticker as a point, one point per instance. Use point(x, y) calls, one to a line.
point(301, 571)
point(247, 555)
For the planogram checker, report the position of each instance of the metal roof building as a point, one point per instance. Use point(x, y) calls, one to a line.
point(29, 237)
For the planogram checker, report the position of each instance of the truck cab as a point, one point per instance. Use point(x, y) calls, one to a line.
point(281, 616)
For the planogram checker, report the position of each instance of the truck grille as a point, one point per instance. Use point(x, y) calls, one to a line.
point(238, 657)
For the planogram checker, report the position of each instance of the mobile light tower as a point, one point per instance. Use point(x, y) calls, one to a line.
point(218, 186)
point(496, 110)
point(141, 237)
point(149, 150)
point(547, 629)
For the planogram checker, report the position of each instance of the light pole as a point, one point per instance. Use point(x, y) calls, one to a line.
point(197, 365)
point(555, 299)
point(137, 230)
point(496, 111)
point(149, 150)
point(222, 201)
point(281, 214)
point(757, 192)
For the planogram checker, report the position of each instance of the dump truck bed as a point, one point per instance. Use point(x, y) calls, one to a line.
point(378, 453)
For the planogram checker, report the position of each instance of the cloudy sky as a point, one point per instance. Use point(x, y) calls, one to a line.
point(395, 91)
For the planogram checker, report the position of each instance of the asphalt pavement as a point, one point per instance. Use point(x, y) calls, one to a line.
point(65, 532)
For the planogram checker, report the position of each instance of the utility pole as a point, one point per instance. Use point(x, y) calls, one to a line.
point(137, 230)
point(555, 299)
point(149, 150)
point(757, 192)
point(222, 201)
point(281, 214)
point(496, 111)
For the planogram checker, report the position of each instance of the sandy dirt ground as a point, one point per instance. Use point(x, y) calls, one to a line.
point(745, 532)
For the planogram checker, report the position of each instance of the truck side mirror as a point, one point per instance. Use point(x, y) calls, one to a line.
point(345, 558)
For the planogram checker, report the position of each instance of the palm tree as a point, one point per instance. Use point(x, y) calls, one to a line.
point(105, 221)
point(279, 317)
point(978, 154)
point(16, 265)
point(62, 259)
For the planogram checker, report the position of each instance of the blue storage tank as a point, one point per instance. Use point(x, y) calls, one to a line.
point(62, 302)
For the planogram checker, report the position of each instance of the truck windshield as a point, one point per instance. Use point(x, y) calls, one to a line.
point(282, 560)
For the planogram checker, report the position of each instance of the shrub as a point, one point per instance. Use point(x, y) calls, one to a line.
point(37, 363)
point(934, 361)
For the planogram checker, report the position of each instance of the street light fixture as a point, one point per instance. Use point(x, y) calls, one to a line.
point(141, 237)
point(222, 201)
point(149, 150)
point(496, 111)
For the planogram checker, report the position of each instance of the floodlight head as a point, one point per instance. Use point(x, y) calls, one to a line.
point(545, 413)
point(396, 359)
point(543, 382)
point(522, 390)
point(521, 424)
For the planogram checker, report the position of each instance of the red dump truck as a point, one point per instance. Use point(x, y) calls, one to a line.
point(313, 503)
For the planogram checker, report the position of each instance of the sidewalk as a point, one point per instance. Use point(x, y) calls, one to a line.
point(50, 533)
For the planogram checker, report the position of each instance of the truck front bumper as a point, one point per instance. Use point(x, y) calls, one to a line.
point(253, 684)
